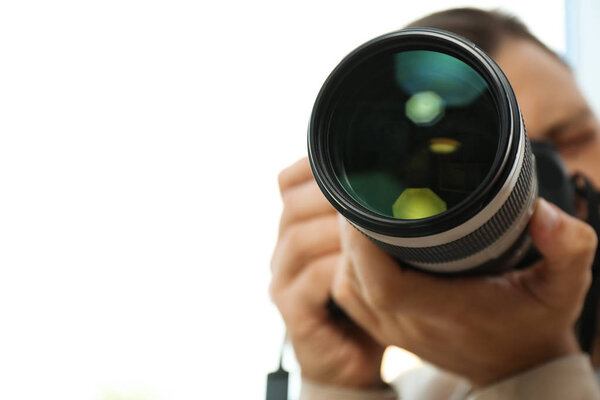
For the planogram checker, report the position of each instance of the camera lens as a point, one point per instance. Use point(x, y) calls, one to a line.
point(414, 133)
point(416, 138)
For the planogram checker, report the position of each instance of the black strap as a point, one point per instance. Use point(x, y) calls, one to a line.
point(588, 319)
point(277, 381)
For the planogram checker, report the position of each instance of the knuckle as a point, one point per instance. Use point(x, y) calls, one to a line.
point(315, 271)
point(586, 241)
point(581, 285)
point(586, 281)
point(277, 263)
point(284, 303)
point(290, 203)
point(342, 291)
point(287, 197)
point(591, 237)
point(274, 292)
point(293, 238)
point(288, 248)
point(293, 243)
point(586, 232)
point(274, 264)
point(282, 178)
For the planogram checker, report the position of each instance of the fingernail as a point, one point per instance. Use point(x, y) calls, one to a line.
point(546, 217)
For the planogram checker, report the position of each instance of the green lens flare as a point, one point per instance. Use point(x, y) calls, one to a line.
point(425, 108)
point(452, 79)
point(418, 203)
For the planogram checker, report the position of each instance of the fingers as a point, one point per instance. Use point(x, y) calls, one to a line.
point(387, 286)
point(294, 174)
point(377, 273)
point(311, 289)
point(568, 247)
point(346, 294)
point(303, 242)
point(308, 246)
point(564, 241)
point(302, 202)
point(302, 302)
point(302, 198)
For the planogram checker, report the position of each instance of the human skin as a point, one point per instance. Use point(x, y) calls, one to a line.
point(310, 264)
point(482, 328)
point(552, 105)
point(329, 350)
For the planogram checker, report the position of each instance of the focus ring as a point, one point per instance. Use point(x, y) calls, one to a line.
point(481, 238)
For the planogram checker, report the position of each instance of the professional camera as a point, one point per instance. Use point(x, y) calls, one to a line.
point(416, 138)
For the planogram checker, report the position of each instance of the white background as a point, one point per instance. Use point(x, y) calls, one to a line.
point(140, 143)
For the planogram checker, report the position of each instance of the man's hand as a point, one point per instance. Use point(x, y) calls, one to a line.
point(329, 350)
point(483, 328)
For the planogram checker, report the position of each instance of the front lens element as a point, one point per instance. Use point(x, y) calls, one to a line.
point(413, 133)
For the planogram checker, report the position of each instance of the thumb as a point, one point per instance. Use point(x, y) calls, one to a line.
point(387, 286)
point(568, 247)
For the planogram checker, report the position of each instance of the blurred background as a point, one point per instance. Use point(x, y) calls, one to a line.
point(140, 143)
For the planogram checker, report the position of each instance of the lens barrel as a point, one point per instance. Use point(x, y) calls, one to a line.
point(416, 138)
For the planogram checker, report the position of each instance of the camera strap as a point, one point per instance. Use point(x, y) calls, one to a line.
point(277, 381)
point(588, 320)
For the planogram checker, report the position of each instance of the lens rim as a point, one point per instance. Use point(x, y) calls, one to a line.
point(320, 139)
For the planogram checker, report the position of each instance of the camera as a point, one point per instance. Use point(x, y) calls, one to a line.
point(417, 139)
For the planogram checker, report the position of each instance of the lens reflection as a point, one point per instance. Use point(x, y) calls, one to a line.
point(453, 80)
point(425, 108)
point(443, 145)
point(417, 204)
point(413, 133)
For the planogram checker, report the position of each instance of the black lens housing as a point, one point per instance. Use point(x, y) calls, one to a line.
point(320, 140)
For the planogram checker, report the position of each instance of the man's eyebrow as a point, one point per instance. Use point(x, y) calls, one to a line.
point(561, 126)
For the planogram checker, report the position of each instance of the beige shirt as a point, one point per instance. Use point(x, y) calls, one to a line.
point(567, 378)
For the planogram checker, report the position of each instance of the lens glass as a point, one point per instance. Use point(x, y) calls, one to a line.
point(413, 133)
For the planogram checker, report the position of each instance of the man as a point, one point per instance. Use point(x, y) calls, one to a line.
point(503, 337)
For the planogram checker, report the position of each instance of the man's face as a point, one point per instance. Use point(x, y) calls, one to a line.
point(552, 105)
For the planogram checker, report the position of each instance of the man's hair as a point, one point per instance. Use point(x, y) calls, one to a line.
point(487, 29)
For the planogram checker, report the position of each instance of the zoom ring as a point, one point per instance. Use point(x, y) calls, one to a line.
point(481, 238)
